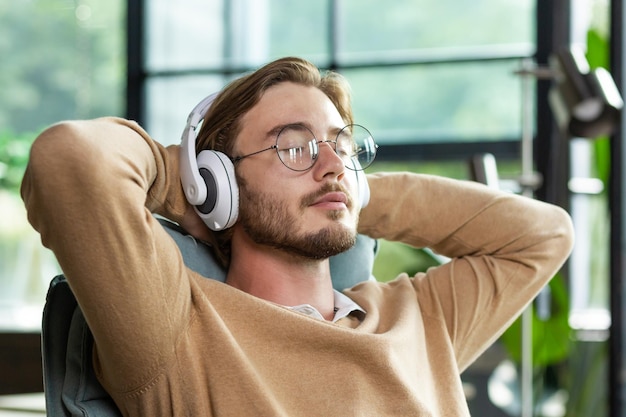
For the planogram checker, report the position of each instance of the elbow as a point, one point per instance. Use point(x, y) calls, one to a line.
point(49, 153)
point(72, 151)
point(60, 160)
point(55, 149)
point(50, 160)
point(563, 232)
point(556, 245)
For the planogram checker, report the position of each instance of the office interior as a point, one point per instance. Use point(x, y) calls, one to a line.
point(470, 90)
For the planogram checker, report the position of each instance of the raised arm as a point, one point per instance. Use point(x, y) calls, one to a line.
point(89, 190)
point(504, 249)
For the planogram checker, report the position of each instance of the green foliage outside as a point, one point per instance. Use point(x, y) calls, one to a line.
point(13, 157)
point(61, 60)
point(66, 61)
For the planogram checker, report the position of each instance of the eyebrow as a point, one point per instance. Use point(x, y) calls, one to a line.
point(272, 133)
point(279, 128)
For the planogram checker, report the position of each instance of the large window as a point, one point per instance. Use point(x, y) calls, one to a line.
point(422, 72)
point(60, 60)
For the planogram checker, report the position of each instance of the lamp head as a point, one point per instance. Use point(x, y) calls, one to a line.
point(585, 102)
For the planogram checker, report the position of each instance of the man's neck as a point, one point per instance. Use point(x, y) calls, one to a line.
point(281, 277)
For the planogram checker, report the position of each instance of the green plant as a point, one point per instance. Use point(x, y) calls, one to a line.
point(14, 150)
point(550, 339)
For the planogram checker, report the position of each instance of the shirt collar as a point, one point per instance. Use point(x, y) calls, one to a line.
point(344, 305)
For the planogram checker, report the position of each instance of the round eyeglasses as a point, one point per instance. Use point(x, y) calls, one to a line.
point(298, 148)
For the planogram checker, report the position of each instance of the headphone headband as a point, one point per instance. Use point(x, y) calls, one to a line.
point(190, 175)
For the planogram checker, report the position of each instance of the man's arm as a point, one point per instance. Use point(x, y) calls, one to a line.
point(504, 249)
point(89, 190)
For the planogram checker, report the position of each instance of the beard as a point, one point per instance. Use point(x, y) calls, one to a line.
point(268, 222)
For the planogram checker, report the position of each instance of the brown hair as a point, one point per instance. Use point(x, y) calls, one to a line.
point(222, 123)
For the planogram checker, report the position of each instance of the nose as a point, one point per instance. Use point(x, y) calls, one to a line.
point(329, 163)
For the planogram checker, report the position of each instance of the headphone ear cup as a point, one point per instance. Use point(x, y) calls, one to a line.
point(220, 209)
point(361, 180)
point(364, 188)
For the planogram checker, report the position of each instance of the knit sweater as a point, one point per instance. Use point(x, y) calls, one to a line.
point(169, 342)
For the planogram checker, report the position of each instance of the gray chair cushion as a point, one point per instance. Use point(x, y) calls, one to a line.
point(347, 268)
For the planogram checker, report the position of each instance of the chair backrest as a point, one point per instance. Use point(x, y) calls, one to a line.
point(70, 384)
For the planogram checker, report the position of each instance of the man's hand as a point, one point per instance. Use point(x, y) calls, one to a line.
point(194, 225)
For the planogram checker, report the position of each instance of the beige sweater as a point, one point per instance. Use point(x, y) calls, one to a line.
point(170, 342)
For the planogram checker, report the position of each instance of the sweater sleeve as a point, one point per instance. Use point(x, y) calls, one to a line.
point(503, 247)
point(90, 188)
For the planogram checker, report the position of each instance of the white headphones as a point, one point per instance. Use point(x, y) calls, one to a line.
point(364, 187)
point(209, 181)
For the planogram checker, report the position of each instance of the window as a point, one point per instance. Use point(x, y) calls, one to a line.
point(61, 60)
point(429, 72)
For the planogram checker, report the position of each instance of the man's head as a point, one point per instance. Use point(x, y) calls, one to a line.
point(309, 213)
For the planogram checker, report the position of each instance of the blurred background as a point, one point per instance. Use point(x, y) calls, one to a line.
point(438, 83)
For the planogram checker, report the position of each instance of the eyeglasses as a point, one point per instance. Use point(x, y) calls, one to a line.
point(298, 148)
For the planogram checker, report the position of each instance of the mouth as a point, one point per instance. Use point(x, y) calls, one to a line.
point(329, 197)
point(333, 200)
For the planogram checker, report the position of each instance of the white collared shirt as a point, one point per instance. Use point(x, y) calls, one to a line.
point(343, 306)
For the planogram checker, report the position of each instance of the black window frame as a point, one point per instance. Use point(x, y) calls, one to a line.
point(431, 150)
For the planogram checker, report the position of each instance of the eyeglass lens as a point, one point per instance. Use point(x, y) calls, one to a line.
point(298, 148)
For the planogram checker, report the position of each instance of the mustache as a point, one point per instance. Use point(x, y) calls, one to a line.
point(328, 187)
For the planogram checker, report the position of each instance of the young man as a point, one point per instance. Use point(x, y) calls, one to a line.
point(170, 342)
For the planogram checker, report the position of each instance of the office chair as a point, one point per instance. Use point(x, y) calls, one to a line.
point(70, 384)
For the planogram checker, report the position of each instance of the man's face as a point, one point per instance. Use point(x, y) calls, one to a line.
point(310, 213)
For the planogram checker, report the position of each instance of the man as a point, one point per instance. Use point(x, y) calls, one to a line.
point(276, 340)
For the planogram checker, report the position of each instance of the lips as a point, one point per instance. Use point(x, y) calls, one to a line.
point(329, 196)
point(332, 197)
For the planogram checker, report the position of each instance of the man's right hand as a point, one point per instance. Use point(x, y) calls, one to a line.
point(194, 225)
